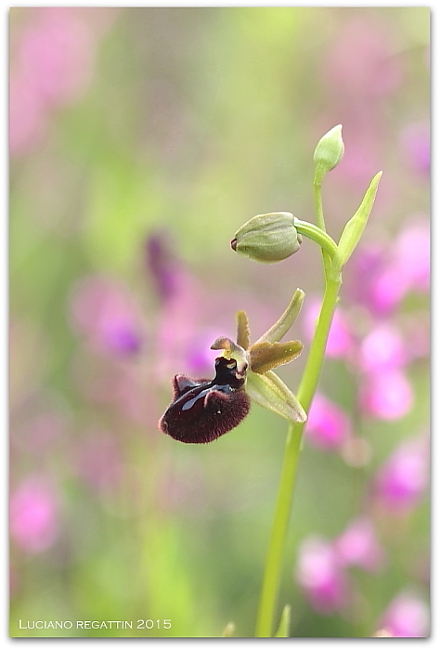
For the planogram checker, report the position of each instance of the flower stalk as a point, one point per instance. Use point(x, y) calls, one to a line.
point(308, 385)
point(317, 235)
point(327, 154)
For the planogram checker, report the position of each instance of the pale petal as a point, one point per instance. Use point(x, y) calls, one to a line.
point(270, 392)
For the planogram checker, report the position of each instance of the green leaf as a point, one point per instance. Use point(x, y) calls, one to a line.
point(355, 227)
point(266, 356)
point(270, 392)
point(286, 320)
point(283, 628)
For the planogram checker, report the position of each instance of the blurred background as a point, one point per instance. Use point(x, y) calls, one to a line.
point(141, 139)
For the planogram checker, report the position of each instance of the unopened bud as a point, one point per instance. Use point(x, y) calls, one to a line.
point(268, 237)
point(328, 152)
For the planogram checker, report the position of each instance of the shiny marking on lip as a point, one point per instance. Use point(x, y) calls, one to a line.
point(203, 409)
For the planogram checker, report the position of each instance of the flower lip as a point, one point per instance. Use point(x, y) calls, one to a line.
point(202, 409)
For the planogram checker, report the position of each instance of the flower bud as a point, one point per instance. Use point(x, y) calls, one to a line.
point(328, 152)
point(268, 237)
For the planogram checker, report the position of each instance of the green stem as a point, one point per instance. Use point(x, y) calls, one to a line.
point(318, 206)
point(320, 220)
point(308, 385)
point(317, 235)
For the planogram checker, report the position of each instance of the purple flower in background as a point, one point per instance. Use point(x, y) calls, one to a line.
point(340, 341)
point(55, 54)
point(381, 275)
point(382, 349)
point(33, 515)
point(415, 144)
point(373, 282)
point(361, 63)
point(403, 479)
point(162, 265)
point(119, 334)
point(320, 575)
point(388, 290)
point(327, 425)
point(51, 66)
point(103, 311)
point(386, 395)
point(406, 616)
point(358, 546)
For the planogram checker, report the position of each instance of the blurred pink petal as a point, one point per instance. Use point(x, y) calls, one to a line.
point(319, 574)
point(358, 546)
point(388, 289)
point(412, 254)
point(33, 515)
point(415, 144)
point(386, 395)
point(52, 60)
point(327, 425)
point(406, 616)
point(162, 265)
point(361, 63)
point(382, 349)
point(27, 119)
point(374, 281)
point(382, 275)
point(403, 479)
point(55, 55)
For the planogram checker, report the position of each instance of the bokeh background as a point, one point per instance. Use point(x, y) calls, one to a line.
point(140, 140)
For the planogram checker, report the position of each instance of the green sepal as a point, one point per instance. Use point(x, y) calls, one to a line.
point(355, 227)
point(286, 320)
point(243, 332)
point(266, 356)
point(270, 392)
point(283, 628)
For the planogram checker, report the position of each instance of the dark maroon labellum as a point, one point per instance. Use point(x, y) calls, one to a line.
point(204, 409)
